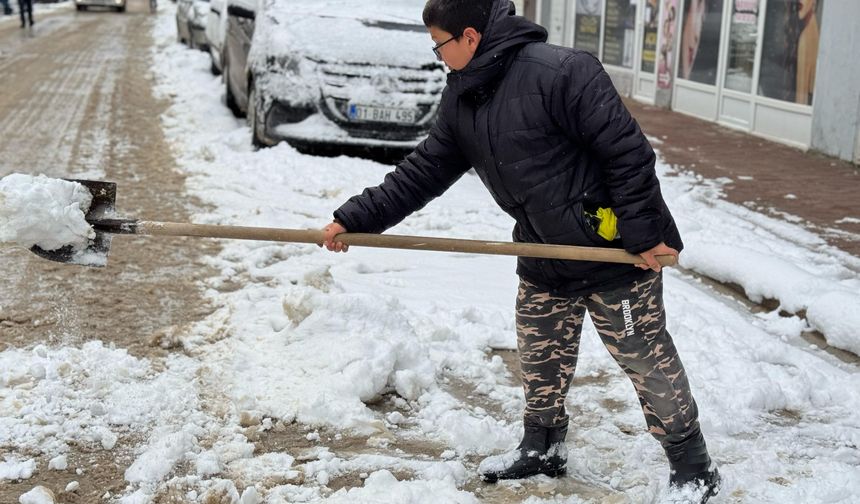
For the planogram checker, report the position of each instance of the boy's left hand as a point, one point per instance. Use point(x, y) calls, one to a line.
point(650, 259)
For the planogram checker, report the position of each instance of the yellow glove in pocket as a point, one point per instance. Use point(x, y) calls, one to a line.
point(605, 223)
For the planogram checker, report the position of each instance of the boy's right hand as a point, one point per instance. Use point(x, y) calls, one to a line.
point(329, 232)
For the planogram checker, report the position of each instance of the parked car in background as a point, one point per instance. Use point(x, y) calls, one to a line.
point(118, 5)
point(191, 23)
point(238, 34)
point(344, 72)
point(216, 22)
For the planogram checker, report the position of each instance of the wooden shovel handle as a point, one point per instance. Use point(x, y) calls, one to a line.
point(539, 250)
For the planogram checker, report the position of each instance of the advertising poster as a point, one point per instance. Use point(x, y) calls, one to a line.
point(620, 26)
point(650, 35)
point(587, 32)
point(790, 50)
point(666, 62)
point(742, 45)
point(700, 41)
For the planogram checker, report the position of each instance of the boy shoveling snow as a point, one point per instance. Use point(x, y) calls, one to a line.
point(550, 138)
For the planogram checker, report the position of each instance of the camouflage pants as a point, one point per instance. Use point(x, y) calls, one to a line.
point(631, 322)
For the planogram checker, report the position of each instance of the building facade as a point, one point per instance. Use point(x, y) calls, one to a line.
point(786, 70)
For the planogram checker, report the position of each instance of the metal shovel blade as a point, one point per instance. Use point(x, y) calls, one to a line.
point(96, 253)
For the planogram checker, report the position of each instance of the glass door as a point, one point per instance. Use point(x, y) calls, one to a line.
point(745, 24)
point(619, 33)
point(553, 15)
point(587, 23)
point(646, 74)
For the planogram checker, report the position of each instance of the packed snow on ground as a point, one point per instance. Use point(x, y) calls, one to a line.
point(372, 344)
point(51, 398)
point(43, 211)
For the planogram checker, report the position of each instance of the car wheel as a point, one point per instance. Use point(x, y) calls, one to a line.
point(81, 7)
point(213, 67)
point(229, 98)
point(121, 8)
point(253, 117)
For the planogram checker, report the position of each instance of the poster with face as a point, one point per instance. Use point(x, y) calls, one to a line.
point(790, 50)
point(700, 41)
point(666, 63)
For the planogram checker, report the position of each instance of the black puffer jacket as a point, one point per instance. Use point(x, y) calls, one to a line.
point(548, 134)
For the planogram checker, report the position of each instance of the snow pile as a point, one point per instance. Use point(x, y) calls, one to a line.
point(38, 495)
point(837, 315)
point(13, 469)
point(769, 258)
point(51, 398)
point(382, 486)
point(44, 211)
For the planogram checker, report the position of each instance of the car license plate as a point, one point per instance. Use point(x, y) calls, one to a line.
point(381, 114)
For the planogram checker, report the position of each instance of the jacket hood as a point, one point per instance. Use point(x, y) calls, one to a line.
point(503, 37)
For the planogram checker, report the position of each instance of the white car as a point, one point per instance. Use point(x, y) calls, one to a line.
point(191, 23)
point(118, 5)
point(216, 23)
point(343, 72)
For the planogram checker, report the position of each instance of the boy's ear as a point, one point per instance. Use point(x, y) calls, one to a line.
point(473, 38)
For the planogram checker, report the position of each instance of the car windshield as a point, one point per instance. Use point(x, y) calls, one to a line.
point(383, 32)
point(391, 25)
point(383, 24)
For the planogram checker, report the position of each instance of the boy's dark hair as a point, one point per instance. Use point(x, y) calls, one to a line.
point(454, 16)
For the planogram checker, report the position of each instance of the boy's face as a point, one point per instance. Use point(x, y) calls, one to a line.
point(459, 52)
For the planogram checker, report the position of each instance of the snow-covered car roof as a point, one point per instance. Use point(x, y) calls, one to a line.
point(383, 32)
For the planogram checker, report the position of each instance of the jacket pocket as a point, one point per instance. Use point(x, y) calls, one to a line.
point(566, 226)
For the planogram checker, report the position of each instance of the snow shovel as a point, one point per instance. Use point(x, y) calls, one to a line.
point(102, 211)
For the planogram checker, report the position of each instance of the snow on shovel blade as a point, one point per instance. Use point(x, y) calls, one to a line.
point(96, 254)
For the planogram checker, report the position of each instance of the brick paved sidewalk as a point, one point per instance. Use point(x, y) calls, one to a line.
point(821, 190)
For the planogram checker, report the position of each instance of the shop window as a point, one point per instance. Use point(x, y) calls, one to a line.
point(649, 36)
point(552, 18)
point(790, 50)
point(742, 45)
point(587, 30)
point(700, 41)
point(620, 25)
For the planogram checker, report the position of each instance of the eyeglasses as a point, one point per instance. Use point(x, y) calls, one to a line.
point(439, 46)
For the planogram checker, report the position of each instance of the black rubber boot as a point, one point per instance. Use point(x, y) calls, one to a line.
point(692, 470)
point(542, 451)
point(556, 453)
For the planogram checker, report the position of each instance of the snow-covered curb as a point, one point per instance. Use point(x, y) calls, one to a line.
point(769, 258)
